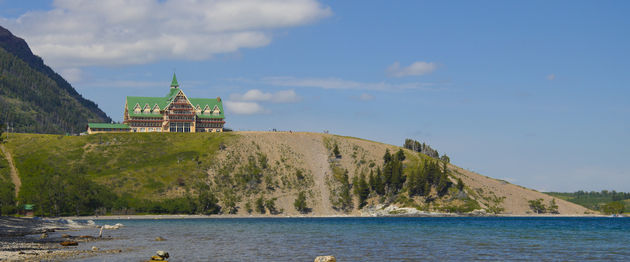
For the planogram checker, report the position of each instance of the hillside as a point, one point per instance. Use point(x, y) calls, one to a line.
point(34, 98)
point(602, 201)
point(239, 171)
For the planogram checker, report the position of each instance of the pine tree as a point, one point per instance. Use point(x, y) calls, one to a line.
point(379, 183)
point(397, 178)
point(387, 157)
point(460, 184)
point(400, 155)
point(372, 181)
point(361, 189)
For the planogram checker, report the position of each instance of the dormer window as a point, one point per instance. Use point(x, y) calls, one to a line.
point(147, 109)
point(137, 109)
point(216, 110)
point(156, 109)
point(206, 110)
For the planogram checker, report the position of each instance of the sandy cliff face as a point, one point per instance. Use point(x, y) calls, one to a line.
point(312, 153)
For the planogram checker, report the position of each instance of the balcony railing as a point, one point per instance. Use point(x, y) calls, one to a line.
point(181, 113)
point(210, 122)
point(145, 120)
point(181, 120)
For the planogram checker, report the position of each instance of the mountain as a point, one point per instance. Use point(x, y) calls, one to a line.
point(34, 98)
point(242, 172)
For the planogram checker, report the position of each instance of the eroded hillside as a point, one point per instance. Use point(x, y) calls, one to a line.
point(252, 173)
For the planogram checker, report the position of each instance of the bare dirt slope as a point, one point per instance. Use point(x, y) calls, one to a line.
point(516, 197)
point(312, 152)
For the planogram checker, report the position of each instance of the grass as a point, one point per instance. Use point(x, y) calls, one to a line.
point(143, 165)
point(5, 170)
point(593, 202)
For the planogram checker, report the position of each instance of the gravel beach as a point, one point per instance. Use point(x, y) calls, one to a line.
point(36, 239)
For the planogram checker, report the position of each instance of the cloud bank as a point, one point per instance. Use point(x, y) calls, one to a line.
point(284, 96)
point(244, 108)
point(337, 83)
point(121, 32)
point(249, 102)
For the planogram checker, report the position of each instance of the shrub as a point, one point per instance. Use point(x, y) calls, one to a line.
point(537, 206)
point(300, 203)
point(270, 204)
point(260, 205)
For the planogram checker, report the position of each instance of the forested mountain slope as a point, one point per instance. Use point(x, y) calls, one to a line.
point(35, 99)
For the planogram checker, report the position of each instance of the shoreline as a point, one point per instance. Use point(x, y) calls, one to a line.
point(39, 239)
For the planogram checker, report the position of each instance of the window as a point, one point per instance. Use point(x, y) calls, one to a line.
point(180, 127)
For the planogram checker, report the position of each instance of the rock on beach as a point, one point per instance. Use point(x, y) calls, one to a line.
point(325, 259)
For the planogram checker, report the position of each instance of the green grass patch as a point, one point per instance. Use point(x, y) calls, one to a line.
point(143, 166)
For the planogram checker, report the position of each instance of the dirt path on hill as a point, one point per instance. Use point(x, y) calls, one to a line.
point(304, 150)
point(15, 178)
point(320, 167)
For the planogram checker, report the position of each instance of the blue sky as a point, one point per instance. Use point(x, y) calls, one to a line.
point(533, 92)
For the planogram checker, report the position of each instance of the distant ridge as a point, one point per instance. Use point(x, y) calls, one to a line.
point(26, 87)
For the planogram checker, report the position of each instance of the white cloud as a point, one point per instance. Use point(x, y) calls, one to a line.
point(415, 69)
point(551, 77)
point(284, 96)
point(336, 83)
point(244, 108)
point(118, 32)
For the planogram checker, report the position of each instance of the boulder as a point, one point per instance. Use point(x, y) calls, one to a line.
point(66, 236)
point(157, 258)
point(95, 248)
point(163, 254)
point(478, 212)
point(69, 243)
point(325, 259)
point(160, 239)
point(43, 235)
point(116, 226)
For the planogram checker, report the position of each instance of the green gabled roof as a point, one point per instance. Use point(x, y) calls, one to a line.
point(174, 82)
point(132, 101)
point(107, 125)
point(172, 94)
point(211, 103)
point(163, 102)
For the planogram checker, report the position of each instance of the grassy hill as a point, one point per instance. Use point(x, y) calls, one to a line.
point(34, 98)
point(596, 200)
point(248, 172)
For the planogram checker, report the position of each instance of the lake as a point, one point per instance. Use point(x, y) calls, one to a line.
point(370, 239)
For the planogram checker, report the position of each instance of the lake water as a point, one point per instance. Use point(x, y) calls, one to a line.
point(371, 239)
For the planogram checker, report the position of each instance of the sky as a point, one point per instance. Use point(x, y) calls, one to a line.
point(533, 92)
